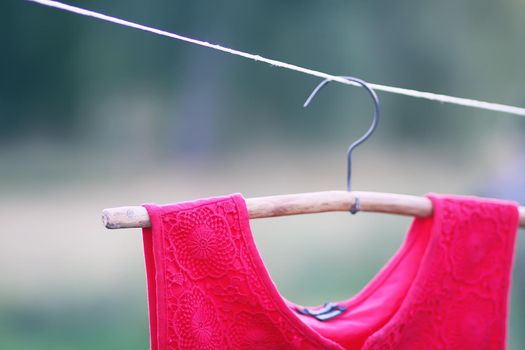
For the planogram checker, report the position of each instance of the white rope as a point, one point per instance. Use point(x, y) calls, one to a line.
point(396, 90)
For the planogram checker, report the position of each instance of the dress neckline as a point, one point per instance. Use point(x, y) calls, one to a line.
point(418, 235)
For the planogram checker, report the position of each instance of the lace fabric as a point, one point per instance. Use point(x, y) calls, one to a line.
point(446, 288)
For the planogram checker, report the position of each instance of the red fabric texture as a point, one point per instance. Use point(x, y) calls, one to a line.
point(446, 287)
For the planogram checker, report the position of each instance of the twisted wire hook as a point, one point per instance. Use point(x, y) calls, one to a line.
point(373, 126)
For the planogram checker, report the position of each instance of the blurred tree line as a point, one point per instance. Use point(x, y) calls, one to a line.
point(72, 79)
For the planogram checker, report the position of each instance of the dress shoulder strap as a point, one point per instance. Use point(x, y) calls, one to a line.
point(459, 299)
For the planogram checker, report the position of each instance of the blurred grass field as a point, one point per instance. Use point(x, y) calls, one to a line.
point(68, 283)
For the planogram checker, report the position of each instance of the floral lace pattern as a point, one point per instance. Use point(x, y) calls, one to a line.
point(196, 323)
point(203, 241)
point(213, 295)
point(459, 298)
point(210, 290)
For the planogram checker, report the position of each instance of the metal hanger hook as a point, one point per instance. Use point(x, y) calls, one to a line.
point(373, 126)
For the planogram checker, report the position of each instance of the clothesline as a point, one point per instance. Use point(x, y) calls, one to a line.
point(391, 89)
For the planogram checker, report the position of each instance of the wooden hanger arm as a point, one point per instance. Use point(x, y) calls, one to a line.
point(318, 202)
point(302, 203)
point(126, 217)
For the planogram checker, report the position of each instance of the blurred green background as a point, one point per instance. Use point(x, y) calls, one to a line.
point(93, 115)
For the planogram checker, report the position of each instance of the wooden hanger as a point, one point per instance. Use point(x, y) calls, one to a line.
point(309, 203)
point(302, 203)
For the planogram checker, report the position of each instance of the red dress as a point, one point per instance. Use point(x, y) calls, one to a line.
point(446, 288)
